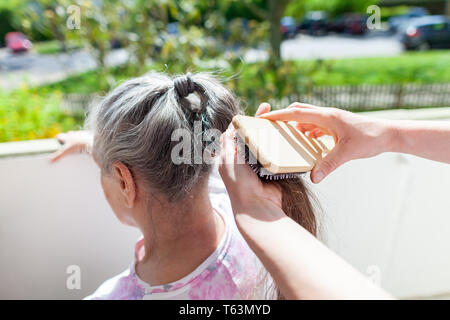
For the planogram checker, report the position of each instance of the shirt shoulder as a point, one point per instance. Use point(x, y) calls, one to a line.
point(121, 287)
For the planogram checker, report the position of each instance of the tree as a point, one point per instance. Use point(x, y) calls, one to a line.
point(273, 10)
point(273, 14)
point(146, 27)
point(100, 25)
point(46, 16)
point(276, 12)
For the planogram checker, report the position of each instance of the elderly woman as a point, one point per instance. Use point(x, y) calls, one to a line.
point(191, 248)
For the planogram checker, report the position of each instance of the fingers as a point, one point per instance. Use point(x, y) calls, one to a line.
point(317, 133)
point(306, 127)
point(316, 122)
point(73, 142)
point(303, 115)
point(60, 153)
point(263, 108)
point(329, 163)
point(61, 137)
point(228, 146)
point(232, 165)
point(313, 120)
point(64, 151)
point(312, 130)
point(228, 158)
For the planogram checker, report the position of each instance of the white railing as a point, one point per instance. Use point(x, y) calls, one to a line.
point(52, 217)
point(389, 216)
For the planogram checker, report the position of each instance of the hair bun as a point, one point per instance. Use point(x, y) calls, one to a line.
point(184, 85)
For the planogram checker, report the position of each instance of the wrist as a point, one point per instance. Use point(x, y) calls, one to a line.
point(389, 137)
point(251, 215)
point(393, 136)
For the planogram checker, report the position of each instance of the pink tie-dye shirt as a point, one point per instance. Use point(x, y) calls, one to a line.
point(232, 271)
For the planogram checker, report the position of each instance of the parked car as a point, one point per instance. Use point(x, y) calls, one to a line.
point(395, 22)
point(355, 23)
point(314, 23)
point(337, 24)
point(351, 23)
point(288, 27)
point(17, 42)
point(426, 32)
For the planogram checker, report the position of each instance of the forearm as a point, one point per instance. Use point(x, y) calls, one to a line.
point(301, 266)
point(426, 139)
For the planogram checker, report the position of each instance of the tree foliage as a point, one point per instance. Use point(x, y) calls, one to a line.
point(176, 36)
point(297, 8)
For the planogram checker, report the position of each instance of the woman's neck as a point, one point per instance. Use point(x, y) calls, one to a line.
point(178, 238)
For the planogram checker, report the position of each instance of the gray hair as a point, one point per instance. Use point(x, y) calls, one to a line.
point(134, 124)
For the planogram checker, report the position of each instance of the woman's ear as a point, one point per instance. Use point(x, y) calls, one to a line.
point(126, 182)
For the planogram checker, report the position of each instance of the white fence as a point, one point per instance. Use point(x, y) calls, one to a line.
point(356, 98)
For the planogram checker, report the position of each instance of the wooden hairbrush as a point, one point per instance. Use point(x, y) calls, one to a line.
point(278, 150)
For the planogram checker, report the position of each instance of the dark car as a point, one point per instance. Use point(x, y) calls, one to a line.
point(355, 23)
point(315, 23)
point(395, 22)
point(426, 32)
point(337, 24)
point(350, 23)
point(288, 27)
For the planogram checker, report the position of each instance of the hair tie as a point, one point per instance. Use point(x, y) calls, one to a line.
point(184, 85)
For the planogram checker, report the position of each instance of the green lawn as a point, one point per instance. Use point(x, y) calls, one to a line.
point(52, 47)
point(417, 67)
point(87, 82)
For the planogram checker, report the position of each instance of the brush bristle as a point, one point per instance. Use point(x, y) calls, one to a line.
point(263, 173)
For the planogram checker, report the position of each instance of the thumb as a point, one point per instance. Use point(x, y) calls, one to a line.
point(334, 159)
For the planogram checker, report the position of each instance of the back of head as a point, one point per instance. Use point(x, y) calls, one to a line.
point(136, 122)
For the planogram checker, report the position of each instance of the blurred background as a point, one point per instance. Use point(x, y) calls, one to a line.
point(58, 55)
point(388, 216)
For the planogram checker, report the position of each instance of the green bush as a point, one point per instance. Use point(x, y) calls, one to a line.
point(260, 82)
point(5, 24)
point(26, 115)
point(9, 21)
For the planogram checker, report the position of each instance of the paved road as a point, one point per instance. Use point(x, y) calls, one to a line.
point(334, 46)
point(39, 69)
point(35, 69)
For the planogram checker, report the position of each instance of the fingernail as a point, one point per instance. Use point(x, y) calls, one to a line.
point(318, 176)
